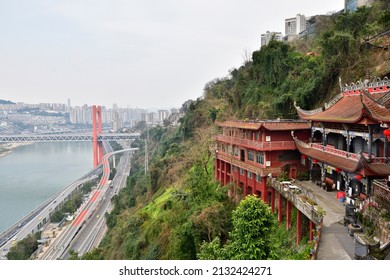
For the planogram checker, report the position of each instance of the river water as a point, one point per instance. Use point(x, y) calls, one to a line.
point(33, 173)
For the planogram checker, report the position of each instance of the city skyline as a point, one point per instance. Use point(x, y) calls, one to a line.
point(130, 52)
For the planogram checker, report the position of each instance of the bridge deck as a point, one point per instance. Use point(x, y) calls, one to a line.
point(66, 137)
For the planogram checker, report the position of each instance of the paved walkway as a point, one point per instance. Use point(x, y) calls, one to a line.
point(335, 242)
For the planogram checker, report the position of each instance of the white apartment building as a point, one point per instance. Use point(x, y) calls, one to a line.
point(268, 36)
point(117, 121)
point(294, 26)
point(162, 115)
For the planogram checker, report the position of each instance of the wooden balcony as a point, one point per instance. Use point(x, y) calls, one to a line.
point(257, 145)
point(259, 170)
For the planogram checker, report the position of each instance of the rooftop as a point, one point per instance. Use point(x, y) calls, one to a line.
point(278, 124)
point(365, 103)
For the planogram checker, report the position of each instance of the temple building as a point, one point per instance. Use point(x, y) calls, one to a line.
point(247, 153)
point(348, 146)
point(250, 153)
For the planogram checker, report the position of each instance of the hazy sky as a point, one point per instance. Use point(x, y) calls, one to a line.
point(137, 53)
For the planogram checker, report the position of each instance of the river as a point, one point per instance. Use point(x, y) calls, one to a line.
point(33, 173)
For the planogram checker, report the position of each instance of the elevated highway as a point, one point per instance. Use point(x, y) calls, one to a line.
point(88, 213)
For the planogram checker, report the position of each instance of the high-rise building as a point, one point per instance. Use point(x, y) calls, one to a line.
point(268, 36)
point(294, 26)
point(162, 115)
point(117, 121)
point(68, 108)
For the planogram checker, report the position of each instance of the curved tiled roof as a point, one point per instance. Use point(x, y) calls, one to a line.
point(379, 169)
point(349, 109)
point(240, 124)
point(347, 164)
point(286, 125)
point(267, 124)
point(353, 108)
point(376, 111)
point(355, 165)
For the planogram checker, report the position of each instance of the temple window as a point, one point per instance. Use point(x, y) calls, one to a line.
point(260, 157)
point(251, 155)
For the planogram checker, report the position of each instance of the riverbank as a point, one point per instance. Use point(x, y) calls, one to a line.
point(7, 148)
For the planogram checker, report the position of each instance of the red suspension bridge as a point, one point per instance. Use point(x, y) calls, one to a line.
point(97, 136)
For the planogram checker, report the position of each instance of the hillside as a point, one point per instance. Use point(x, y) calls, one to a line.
point(7, 102)
point(177, 210)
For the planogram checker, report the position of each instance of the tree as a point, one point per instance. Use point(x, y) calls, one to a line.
point(252, 236)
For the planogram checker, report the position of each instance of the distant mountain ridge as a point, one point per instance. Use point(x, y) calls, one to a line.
point(6, 102)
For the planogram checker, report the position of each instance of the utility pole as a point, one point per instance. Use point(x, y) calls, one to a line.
point(146, 149)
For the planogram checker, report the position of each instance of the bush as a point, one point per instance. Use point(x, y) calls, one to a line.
point(303, 175)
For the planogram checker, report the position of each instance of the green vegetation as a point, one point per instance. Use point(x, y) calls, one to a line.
point(252, 236)
point(305, 72)
point(176, 210)
point(71, 205)
point(115, 145)
point(23, 249)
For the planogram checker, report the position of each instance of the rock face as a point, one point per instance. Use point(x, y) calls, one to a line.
point(383, 230)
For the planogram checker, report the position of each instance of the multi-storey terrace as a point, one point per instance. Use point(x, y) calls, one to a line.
point(250, 153)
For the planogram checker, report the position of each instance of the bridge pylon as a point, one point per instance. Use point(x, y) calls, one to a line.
point(96, 131)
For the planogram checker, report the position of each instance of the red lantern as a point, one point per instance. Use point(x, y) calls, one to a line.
point(338, 169)
point(314, 161)
point(303, 156)
point(358, 177)
point(386, 132)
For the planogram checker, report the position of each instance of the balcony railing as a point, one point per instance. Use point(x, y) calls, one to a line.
point(268, 146)
point(310, 211)
point(259, 170)
point(348, 155)
point(332, 150)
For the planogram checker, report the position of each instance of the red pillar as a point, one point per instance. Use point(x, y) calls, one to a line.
point(264, 189)
point(280, 208)
point(225, 173)
point(312, 226)
point(288, 214)
point(100, 143)
point(217, 162)
point(273, 200)
point(94, 136)
point(299, 226)
point(219, 174)
point(245, 182)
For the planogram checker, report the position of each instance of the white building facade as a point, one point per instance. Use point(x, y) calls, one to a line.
point(268, 36)
point(294, 26)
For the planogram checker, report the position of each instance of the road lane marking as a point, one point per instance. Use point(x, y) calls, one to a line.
point(95, 196)
point(80, 217)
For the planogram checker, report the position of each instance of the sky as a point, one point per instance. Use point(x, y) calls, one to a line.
point(133, 53)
